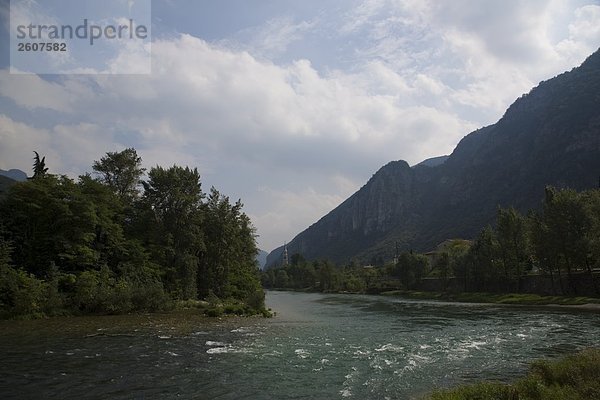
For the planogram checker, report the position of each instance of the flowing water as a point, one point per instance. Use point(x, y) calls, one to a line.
point(318, 346)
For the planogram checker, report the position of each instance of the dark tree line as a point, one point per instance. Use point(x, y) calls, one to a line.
point(113, 242)
point(560, 241)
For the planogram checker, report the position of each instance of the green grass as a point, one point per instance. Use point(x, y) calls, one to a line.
point(512, 298)
point(576, 377)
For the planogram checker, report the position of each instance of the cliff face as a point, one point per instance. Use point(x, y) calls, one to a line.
point(550, 136)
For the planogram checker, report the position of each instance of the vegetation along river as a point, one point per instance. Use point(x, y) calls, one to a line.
point(318, 346)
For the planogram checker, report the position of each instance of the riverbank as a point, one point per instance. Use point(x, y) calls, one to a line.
point(575, 377)
point(584, 303)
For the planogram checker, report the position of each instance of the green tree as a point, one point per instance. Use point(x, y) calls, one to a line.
point(460, 263)
point(121, 172)
point(328, 276)
point(227, 263)
point(484, 254)
point(411, 268)
point(591, 201)
point(511, 232)
point(51, 223)
point(173, 218)
point(543, 251)
point(282, 279)
point(568, 224)
point(39, 166)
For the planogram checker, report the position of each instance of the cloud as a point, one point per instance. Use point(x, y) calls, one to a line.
point(32, 92)
point(291, 138)
point(69, 149)
point(274, 37)
point(18, 143)
point(289, 210)
point(216, 108)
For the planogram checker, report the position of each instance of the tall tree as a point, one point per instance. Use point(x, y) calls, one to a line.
point(484, 254)
point(122, 172)
point(39, 166)
point(512, 238)
point(227, 262)
point(568, 224)
point(173, 197)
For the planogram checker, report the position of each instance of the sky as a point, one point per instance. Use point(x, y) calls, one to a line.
point(291, 106)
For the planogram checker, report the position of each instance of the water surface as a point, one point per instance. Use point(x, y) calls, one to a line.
point(317, 347)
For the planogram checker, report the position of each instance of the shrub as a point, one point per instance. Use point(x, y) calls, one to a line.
point(576, 377)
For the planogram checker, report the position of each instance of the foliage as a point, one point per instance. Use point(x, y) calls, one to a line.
point(97, 246)
point(121, 172)
point(410, 268)
point(39, 166)
point(576, 377)
point(559, 242)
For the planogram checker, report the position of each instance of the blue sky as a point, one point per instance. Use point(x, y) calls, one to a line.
point(292, 105)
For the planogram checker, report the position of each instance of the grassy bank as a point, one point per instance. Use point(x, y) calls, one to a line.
point(512, 298)
point(576, 377)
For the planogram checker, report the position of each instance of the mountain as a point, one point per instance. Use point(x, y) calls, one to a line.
point(14, 174)
point(433, 162)
point(550, 136)
point(261, 258)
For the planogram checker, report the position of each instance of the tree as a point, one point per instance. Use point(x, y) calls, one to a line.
point(95, 246)
point(121, 171)
point(458, 250)
point(39, 166)
point(328, 276)
point(282, 279)
point(512, 238)
point(227, 263)
point(173, 199)
point(568, 224)
point(52, 223)
point(411, 268)
point(544, 253)
point(484, 253)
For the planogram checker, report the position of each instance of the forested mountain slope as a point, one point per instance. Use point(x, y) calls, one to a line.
point(550, 136)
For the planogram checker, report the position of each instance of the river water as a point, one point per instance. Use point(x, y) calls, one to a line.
point(318, 346)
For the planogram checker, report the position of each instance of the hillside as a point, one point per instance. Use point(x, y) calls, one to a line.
point(14, 174)
point(5, 183)
point(550, 136)
point(261, 258)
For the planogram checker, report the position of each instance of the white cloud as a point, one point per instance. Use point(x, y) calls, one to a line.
point(31, 91)
point(289, 211)
point(292, 139)
point(18, 143)
point(69, 149)
point(274, 37)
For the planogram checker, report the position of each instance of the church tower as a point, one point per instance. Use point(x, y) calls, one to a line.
point(286, 259)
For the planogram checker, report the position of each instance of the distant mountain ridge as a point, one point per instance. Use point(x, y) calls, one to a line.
point(550, 136)
point(261, 258)
point(14, 174)
point(433, 162)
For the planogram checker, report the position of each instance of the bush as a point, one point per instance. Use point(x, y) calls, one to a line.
point(100, 292)
point(21, 294)
point(576, 377)
point(256, 300)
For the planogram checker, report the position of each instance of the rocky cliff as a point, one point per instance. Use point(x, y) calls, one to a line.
point(550, 136)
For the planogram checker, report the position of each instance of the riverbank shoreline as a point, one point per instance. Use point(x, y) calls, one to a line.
point(509, 299)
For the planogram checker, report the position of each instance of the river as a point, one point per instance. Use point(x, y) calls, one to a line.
point(318, 346)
